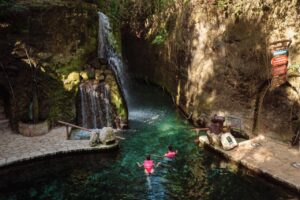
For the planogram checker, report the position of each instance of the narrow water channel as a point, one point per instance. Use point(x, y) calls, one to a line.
point(194, 174)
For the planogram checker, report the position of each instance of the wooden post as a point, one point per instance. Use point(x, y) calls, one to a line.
point(68, 131)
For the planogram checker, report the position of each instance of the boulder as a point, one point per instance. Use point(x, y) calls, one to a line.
point(84, 75)
point(94, 139)
point(99, 75)
point(72, 80)
point(107, 135)
point(203, 139)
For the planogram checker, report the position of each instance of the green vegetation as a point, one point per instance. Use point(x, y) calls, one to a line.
point(222, 3)
point(160, 5)
point(5, 2)
point(112, 9)
point(79, 59)
point(160, 37)
point(118, 103)
point(120, 12)
point(62, 103)
point(294, 69)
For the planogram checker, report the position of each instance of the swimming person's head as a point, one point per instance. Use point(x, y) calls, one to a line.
point(148, 157)
point(170, 148)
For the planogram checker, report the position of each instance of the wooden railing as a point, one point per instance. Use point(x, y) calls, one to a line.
point(79, 127)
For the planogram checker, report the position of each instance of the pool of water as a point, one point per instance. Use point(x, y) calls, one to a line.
point(154, 124)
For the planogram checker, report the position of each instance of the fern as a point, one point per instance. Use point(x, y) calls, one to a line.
point(160, 37)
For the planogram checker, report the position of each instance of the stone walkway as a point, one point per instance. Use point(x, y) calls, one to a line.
point(267, 157)
point(17, 148)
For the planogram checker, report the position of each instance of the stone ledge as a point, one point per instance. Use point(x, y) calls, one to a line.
point(38, 155)
point(261, 159)
point(16, 148)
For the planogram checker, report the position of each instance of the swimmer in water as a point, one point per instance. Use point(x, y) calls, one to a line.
point(148, 165)
point(171, 152)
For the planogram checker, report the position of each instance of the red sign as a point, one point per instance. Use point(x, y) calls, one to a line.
point(276, 71)
point(279, 60)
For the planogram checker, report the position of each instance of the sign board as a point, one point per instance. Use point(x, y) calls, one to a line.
point(234, 122)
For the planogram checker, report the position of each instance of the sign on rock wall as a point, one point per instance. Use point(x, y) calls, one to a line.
point(234, 122)
point(279, 61)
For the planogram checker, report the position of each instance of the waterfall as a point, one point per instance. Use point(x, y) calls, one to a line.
point(107, 106)
point(96, 111)
point(107, 53)
point(103, 32)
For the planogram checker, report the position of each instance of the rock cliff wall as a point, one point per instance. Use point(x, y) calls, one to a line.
point(46, 49)
point(214, 57)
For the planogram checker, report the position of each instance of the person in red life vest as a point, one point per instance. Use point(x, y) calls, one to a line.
point(171, 152)
point(148, 165)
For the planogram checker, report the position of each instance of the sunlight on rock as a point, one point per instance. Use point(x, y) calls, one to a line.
point(202, 34)
point(290, 33)
point(178, 93)
point(262, 155)
point(4, 25)
point(211, 98)
point(84, 75)
point(72, 80)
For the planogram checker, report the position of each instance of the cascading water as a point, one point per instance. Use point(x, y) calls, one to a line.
point(96, 111)
point(107, 53)
point(194, 174)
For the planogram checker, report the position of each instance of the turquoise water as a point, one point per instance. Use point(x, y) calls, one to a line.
point(194, 174)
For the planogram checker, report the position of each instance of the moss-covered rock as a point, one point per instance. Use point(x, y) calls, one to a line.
point(84, 75)
point(60, 38)
point(116, 98)
point(72, 81)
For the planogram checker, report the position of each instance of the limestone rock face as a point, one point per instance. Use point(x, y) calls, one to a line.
point(214, 56)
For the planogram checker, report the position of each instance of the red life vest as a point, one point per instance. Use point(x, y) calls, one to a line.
point(148, 165)
point(170, 154)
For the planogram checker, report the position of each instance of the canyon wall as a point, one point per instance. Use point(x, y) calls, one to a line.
point(213, 57)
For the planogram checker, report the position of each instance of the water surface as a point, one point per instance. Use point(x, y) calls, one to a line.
point(194, 174)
